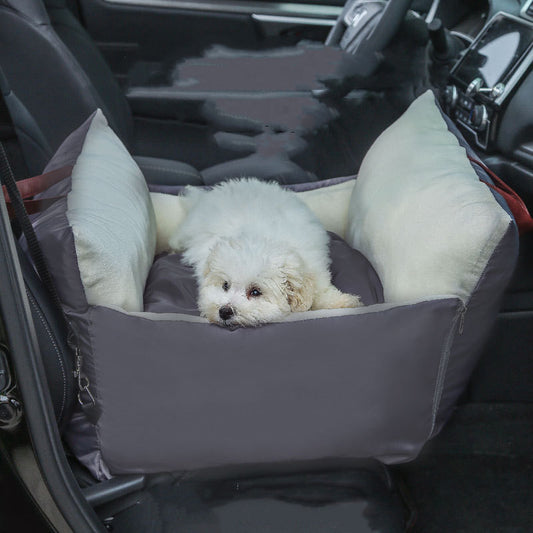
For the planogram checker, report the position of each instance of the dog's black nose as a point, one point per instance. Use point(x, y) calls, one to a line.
point(225, 312)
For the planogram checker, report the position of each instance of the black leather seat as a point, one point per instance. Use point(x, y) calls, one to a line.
point(51, 90)
point(58, 78)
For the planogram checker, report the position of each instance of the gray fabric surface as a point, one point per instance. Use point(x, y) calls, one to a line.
point(57, 241)
point(170, 287)
point(178, 395)
point(479, 316)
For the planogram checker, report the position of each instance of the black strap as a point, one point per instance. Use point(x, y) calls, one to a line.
point(21, 215)
point(7, 176)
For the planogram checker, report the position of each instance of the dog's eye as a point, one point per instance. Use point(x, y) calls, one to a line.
point(225, 286)
point(254, 292)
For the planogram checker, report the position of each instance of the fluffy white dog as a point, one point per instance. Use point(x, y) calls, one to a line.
point(258, 253)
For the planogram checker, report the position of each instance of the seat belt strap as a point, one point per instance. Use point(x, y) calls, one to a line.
point(35, 185)
point(518, 208)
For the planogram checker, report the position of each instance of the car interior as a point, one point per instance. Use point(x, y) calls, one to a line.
point(295, 92)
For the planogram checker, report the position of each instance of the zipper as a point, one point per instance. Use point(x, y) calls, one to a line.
point(457, 327)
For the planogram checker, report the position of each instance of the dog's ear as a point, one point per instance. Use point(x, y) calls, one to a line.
point(209, 264)
point(298, 285)
point(213, 260)
point(207, 269)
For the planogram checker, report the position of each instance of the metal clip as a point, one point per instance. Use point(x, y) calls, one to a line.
point(83, 381)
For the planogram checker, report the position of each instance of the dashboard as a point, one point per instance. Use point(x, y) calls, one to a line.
point(489, 84)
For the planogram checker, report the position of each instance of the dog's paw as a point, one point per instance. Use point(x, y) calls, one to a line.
point(349, 301)
point(332, 298)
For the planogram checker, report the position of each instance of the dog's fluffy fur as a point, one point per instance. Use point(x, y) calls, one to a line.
point(258, 253)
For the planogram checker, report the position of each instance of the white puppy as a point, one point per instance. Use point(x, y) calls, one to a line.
point(258, 253)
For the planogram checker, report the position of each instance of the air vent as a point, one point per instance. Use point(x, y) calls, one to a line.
point(527, 10)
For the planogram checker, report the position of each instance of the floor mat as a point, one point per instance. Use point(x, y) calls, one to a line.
point(477, 475)
point(346, 501)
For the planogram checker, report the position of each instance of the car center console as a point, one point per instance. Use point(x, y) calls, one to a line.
point(483, 80)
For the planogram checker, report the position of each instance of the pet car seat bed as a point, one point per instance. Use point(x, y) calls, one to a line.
point(170, 391)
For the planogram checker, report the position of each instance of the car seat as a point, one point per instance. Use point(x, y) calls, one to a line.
point(59, 76)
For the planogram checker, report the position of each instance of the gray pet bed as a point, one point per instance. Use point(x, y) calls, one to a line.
point(173, 392)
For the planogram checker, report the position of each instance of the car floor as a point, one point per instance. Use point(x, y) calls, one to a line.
point(350, 500)
point(477, 475)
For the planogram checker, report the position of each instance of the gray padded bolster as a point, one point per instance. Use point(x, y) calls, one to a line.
point(334, 387)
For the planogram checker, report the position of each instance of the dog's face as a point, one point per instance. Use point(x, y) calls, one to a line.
point(250, 282)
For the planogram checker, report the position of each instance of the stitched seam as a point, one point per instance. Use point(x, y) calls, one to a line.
point(443, 367)
point(56, 348)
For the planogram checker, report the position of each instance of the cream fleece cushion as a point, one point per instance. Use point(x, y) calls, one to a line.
point(418, 211)
point(112, 219)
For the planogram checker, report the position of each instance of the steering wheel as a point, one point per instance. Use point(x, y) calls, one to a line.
point(367, 26)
